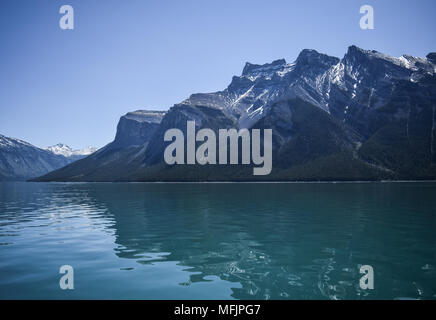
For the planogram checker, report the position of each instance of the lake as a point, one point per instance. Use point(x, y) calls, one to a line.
point(218, 241)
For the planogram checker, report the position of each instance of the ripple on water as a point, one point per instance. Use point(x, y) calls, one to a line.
point(259, 241)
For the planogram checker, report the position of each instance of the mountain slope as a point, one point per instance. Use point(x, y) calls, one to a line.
point(367, 116)
point(134, 132)
point(20, 160)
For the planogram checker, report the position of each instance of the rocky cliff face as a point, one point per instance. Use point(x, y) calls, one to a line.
point(366, 116)
point(136, 128)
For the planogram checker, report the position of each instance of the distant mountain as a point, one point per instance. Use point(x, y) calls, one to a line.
point(127, 150)
point(68, 152)
point(367, 116)
point(19, 160)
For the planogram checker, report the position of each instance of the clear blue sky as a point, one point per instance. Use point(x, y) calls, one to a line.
point(72, 86)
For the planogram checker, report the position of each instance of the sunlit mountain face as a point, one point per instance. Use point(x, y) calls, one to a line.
point(367, 116)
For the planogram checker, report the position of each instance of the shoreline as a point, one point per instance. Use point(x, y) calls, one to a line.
point(229, 182)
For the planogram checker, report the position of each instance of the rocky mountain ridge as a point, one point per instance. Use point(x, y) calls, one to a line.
point(367, 116)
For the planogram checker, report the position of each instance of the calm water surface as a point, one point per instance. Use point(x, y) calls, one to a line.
point(218, 241)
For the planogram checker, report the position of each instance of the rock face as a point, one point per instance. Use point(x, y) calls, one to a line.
point(367, 116)
point(136, 128)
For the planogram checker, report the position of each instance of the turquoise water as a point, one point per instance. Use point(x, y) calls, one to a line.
point(218, 241)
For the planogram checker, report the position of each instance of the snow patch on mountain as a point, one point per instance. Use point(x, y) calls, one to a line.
point(12, 142)
point(66, 151)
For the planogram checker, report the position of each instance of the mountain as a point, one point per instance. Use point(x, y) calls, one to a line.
point(19, 160)
point(367, 116)
point(68, 152)
point(134, 132)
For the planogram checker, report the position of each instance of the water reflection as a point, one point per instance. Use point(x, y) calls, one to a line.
point(243, 241)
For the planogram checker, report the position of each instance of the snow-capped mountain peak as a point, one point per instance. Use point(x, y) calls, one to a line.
point(86, 151)
point(362, 78)
point(20, 160)
point(67, 151)
point(61, 149)
point(12, 142)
